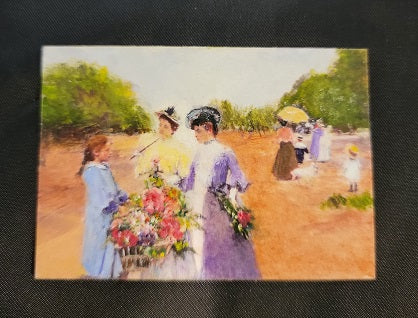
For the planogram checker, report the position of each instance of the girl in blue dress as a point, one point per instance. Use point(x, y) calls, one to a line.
point(104, 198)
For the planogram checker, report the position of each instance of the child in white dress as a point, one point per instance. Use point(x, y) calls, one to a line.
point(351, 168)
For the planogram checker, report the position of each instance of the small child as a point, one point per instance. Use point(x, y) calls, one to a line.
point(300, 149)
point(351, 168)
point(104, 198)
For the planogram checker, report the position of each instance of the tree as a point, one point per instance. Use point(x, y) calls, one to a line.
point(250, 118)
point(339, 97)
point(81, 94)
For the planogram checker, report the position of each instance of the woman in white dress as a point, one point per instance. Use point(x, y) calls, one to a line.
point(174, 159)
point(325, 145)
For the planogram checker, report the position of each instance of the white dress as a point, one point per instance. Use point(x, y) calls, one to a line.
point(324, 147)
point(204, 161)
point(351, 169)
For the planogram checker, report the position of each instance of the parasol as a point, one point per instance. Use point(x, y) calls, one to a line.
point(294, 114)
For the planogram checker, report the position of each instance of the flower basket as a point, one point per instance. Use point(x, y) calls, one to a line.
point(157, 221)
point(135, 258)
point(132, 258)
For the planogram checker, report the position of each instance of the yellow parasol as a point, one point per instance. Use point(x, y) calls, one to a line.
point(290, 113)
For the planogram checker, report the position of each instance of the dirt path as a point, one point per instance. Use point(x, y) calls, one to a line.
point(293, 238)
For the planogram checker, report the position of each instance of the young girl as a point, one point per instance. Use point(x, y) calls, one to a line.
point(351, 168)
point(104, 198)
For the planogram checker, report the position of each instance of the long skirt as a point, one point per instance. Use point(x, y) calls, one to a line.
point(285, 161)
point(100, 258)
point(226, 255)
point(172, 267)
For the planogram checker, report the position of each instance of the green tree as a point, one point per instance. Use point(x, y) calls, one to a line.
point(340, 97)
point(81, 94)
point(249, 118)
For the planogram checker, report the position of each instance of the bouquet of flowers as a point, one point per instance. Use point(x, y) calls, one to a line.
point(240, 216)
point(156, 224)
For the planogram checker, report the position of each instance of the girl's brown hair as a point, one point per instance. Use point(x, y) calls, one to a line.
point(96, 142)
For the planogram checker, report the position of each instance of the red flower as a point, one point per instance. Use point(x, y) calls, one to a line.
point(178, 235)
point(115, 234)
point(163, 232)
point(170, 227)
point(244, 218)
point(124, 238)
point(132, 238)
point(153, 201)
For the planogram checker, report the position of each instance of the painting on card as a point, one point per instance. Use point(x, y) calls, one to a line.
point(205, 163)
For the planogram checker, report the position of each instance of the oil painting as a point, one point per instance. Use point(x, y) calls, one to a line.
point(205, 163)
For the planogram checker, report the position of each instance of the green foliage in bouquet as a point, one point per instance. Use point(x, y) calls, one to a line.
point(360, 202)
point(241, 219)
point(180, 247)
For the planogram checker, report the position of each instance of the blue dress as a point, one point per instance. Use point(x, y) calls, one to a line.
point(100, 258)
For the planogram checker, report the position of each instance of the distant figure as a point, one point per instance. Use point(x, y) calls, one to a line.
point(317, 133)
point(351, 168)
point(285, 160)
point(300, 149)
point(325, 145)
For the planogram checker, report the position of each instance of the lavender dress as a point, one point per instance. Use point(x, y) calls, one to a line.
point(225, 255)
point(316, 136)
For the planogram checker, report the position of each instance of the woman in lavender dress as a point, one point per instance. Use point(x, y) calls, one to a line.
point(315, 143)
point(220, 252)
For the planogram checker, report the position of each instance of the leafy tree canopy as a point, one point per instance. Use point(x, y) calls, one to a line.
point(82, 95)
point(340, 97)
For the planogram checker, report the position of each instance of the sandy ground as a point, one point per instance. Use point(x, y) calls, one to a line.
point(293, 238)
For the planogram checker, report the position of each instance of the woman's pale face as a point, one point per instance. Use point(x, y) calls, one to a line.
point(202, 135)
point(103, 154)
point(164, 128)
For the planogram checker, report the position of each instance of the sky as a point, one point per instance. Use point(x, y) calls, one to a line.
point(186, 77)
point(190, 76)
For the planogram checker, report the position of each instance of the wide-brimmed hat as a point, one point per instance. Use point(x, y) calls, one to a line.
point(202, 115)
point(170, 114)
point(353, 150)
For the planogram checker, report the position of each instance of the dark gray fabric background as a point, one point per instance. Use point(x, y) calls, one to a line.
point(387, 28)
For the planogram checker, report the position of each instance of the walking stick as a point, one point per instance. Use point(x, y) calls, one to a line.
point(140, 151)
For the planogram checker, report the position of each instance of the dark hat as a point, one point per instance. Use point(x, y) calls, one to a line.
point(202, 115)
point(170, 114)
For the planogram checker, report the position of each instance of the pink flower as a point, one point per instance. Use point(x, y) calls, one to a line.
point(116, 223)
point(163, 232)
point(244, 218)
point(170, 227)
point(153, 200)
